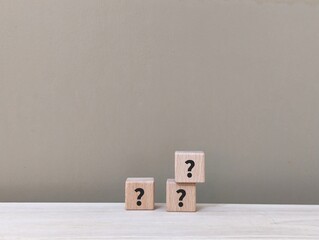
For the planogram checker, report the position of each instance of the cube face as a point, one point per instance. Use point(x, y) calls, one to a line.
point(139, 193)
point(180, 197)
point(189, 166)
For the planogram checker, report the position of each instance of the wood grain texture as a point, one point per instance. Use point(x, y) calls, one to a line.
point(173, 203)
point(136, 200)
point(78, 221)
point(182, 173)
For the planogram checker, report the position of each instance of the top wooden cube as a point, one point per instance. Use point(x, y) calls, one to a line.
point(189, 166)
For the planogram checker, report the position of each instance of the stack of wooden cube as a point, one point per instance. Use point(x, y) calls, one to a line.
point(180, 192)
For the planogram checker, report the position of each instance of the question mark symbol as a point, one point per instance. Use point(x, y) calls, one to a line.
point(183, 194)
point(192, 165)
point(139, 197)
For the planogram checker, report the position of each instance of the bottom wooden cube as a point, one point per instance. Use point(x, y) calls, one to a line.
point(139, 193)
point(180, 197)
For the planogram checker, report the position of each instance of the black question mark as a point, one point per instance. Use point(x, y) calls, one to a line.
point(183, 194)
point(192, 165)
point(141, 191)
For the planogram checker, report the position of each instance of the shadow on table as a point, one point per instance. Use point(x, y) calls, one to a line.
point(202, 207)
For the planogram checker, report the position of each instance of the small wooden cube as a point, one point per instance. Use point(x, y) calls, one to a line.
point(189, 166)
point(139, 193)
point(180, 197)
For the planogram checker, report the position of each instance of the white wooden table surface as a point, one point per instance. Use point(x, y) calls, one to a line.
point(111, 221)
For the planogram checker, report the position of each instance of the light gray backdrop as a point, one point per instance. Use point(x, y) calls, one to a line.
point(92, 92)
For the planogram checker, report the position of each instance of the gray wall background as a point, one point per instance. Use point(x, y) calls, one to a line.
point(92, 92)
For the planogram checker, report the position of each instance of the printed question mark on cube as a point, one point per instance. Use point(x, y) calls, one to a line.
point(192, 165)
point(139, 197)
point(183, 194)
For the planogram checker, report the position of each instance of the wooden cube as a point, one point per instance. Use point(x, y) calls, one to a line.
point(139, 193)
point(180, 197)
point(189, 166)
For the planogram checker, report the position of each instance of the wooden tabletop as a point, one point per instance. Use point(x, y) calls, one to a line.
point(111, 221)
